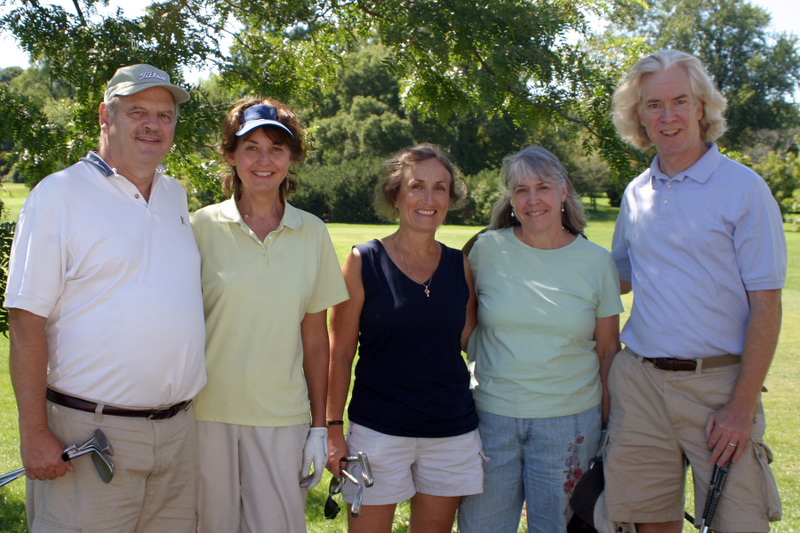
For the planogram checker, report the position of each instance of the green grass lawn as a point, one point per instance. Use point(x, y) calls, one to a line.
point(12, 195)
point(783, 431)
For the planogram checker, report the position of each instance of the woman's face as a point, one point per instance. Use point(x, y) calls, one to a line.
point(260, 163)
point(537, 205)
point(424, 195)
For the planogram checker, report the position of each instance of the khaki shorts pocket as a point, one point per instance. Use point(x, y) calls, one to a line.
point(772, 498)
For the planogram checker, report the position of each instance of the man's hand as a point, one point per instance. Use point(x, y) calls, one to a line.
point(41, 455)
point(727, 433)
point(315, 451)
point(337, 450)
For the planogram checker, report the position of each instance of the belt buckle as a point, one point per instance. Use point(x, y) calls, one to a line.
point(675, 365)
point(162, 414)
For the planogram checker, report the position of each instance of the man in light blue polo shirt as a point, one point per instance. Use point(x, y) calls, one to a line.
point(700, 241)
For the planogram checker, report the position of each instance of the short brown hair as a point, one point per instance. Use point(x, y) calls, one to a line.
point(231, 183)
point(397, 167)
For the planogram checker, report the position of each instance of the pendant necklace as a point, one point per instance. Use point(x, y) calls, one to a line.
point(424, 286)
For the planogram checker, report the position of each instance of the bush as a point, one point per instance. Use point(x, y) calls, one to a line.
point(340, 193)
point(483, 191)
point(782, 174)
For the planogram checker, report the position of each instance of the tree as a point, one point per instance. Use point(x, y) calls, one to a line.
point(756, 71)
point(499, 56)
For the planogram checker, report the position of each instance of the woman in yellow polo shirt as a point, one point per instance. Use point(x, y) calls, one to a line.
point(269, 273)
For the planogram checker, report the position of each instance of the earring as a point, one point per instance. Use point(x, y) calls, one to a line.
point(286, 184)
point(562, 208)
point(512, 214)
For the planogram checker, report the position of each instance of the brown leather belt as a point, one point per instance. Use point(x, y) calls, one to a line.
point(678, 365)
point(84, 405)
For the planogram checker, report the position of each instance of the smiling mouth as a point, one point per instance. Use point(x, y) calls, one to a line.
point(426, 212)
point(670, 133)
point(535, 213)
point(262, 173)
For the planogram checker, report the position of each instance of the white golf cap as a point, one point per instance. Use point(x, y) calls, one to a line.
point(135, 78)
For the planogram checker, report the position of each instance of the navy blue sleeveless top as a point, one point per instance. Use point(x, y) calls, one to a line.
point(411, 380)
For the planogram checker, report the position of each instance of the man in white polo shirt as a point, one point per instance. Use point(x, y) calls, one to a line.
point(106, 324)
point(700, 240)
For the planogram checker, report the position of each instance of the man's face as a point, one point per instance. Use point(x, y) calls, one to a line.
point(671, 115)
point(141, 129)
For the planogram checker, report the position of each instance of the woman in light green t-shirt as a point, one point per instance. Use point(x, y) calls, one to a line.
point(548, 327)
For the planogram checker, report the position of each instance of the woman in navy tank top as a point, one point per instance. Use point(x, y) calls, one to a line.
point(411, 310)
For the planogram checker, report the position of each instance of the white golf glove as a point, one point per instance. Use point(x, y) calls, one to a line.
point(315, 451)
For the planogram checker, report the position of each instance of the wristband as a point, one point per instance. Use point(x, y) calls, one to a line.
point(335, 422)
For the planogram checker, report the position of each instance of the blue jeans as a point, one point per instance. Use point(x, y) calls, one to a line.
point(532, 460)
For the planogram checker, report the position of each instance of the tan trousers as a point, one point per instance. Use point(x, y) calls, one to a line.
point(154, 488)
point(250, 478)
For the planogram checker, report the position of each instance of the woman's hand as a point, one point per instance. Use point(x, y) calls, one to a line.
point(337, 450)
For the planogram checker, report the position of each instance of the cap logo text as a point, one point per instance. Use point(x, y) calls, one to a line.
point(153, 75)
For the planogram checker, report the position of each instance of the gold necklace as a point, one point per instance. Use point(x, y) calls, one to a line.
point(424, 286)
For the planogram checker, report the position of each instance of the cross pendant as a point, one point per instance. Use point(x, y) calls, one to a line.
point(427, 292)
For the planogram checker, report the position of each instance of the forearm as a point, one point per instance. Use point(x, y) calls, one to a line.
point(28, 367)
point(315, 364)
point(40, 449)
point(607, 346)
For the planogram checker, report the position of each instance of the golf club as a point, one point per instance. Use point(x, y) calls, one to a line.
point(355, 508)
point(98, 445)
point(331, 507)
point(366, 470)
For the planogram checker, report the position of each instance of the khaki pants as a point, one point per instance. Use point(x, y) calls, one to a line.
point(154, 488)
point(250, 478)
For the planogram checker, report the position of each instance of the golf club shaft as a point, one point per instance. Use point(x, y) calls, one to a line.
point(11, 476)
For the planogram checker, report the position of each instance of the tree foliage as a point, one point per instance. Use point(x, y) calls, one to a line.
point(512, 58)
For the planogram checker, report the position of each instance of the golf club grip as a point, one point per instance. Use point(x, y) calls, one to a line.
point(64, 456)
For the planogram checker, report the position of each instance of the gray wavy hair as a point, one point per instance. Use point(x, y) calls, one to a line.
point(537, 163)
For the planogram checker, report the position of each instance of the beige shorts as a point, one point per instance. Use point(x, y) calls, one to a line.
point(154, 488)
point(403, 466)
point(657, 423)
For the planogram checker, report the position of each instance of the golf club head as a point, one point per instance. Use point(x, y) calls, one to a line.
point(102, 442)
point(99, 440)
point(355, 509)
point(366, 469)
point(11, 476)
point(102, 463)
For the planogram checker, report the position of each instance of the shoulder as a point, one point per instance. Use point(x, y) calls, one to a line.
point(368, 248)
point(58, 188)
point(639, 181)
point(742, 175)
point(307, 222)
point(494, 239)
point(171, 184)
point(451, 253)
point(591, 249)
point(206, 215)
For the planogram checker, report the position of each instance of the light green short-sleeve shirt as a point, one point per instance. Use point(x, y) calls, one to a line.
point(255, 296)
point(532, 353)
